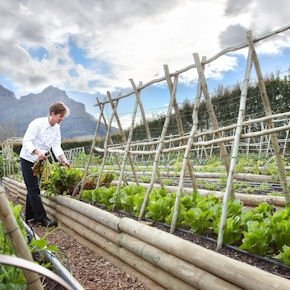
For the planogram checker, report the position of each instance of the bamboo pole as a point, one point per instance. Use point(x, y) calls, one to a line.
point(123, 138)
point(19, 245)
point(179, 125)
point(106, 143)
point(185, 158)
point(92, 150)
point(235, 149)
point(221, 129)
point(210, 109)
point(171, 139)
point(213, 175)
point(207, 143)
point(268, 112)
point(147, 129)
point(110, 138)
point(159, 149)
point(240, 274)
point(126, 153)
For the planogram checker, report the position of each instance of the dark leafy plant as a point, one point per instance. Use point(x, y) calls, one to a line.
point(62, 181)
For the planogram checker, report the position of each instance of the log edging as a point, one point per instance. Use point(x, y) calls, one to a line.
point(154, 254)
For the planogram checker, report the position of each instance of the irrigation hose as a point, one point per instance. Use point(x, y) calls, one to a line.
point(59, 268)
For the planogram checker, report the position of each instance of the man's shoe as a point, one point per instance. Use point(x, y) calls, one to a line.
point(48, 223)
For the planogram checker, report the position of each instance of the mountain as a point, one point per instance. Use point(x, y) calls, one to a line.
point(7, 103)
point(17, 114)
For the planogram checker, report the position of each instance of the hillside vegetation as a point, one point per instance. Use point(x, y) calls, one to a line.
point(226, 103)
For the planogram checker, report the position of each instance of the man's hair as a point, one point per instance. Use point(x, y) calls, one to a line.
point(59, 108)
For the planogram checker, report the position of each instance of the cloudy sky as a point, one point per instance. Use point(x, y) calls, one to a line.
point(91, 46)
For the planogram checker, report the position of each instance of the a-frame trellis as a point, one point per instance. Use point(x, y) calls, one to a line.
point(189, 140)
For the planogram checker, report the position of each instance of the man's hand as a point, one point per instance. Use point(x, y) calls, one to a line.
point(64, 161)
point(40, 154)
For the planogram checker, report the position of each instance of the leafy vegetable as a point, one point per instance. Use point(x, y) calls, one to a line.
point(284, 255)
point(257, 238)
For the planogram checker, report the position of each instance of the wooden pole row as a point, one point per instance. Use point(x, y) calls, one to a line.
point(217, 138)
point(209, 175)
point(175, 138)
point(204, 143)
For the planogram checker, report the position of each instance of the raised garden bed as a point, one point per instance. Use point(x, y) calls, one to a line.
point(159, 257)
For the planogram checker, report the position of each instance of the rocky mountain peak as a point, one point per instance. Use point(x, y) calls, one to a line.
point(5, 93)
point(21, 112)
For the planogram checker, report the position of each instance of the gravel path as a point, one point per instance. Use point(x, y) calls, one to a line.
point(92, 271)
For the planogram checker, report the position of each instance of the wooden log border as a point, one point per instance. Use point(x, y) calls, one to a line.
point(159, 259)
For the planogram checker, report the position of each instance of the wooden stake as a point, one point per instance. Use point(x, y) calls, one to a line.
point(106, 143)
point(180, 126)
point(268, 112)
point(19, 244)
point(210, 109)
point(124, 140)
point(185, 159)
point(159, 149)
point(92, 150)
point(235, 149)
point(147, 129)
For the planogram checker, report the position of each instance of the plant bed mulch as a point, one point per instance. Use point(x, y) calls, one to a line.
point(269, 265)
point(92, 271)
point(264, 263)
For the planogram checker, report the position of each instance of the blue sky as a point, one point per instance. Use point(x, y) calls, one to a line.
point(90, 47)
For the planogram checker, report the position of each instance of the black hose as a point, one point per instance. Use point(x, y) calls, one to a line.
point(262, 258)
point(265, 259)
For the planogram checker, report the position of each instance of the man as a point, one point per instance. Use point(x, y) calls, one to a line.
point(41, 135)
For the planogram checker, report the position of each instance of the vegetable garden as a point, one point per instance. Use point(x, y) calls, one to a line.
point(229, 185)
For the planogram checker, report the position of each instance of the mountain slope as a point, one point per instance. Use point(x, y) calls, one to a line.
point(17, 114)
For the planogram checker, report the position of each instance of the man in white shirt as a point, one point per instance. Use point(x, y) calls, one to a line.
point(41, 135)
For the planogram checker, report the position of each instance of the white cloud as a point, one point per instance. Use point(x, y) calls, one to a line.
point(133, 38)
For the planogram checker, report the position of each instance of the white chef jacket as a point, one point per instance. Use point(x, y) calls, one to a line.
point(40, 134)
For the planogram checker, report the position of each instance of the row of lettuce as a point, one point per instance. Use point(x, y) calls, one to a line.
point(261, 230)
point(12, 277)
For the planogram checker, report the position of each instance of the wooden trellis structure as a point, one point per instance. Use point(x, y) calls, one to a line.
point(205, 147)
point(74, 153)
point(9, 160)
point(202, 142)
